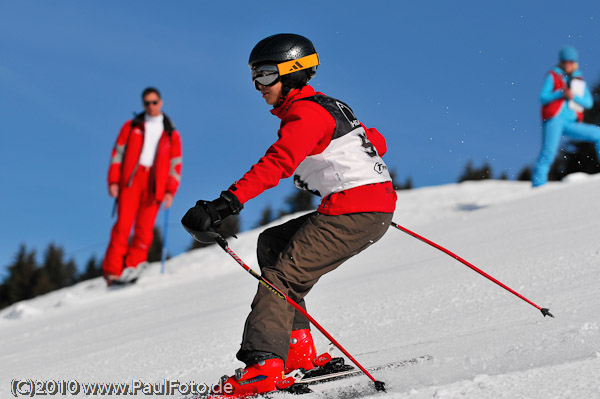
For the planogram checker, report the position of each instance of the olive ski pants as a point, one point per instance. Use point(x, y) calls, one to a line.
point(293, 256)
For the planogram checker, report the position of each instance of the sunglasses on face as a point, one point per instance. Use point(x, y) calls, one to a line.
point(265, 75)
point(147, 103)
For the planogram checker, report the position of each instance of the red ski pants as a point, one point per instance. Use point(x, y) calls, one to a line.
point(136, 205)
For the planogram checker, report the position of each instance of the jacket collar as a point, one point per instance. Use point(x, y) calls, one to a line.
point(576, 74)
point(293, 95)
point(167, 123)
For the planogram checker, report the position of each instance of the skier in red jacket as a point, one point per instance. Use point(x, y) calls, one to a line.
point(330, 153)
point(145, 171)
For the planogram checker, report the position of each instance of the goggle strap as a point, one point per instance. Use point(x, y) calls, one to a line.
point(297, 65)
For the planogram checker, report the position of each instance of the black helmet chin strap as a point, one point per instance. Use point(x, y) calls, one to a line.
point(296, 80)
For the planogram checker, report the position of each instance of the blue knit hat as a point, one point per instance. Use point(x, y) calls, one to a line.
point(568, 53)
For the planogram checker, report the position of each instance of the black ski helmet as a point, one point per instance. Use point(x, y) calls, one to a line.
point(284, 47)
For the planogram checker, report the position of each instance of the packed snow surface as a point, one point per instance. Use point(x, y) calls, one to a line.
point(399, 299)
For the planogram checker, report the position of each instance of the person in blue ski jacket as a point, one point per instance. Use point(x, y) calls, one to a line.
point(564, 96)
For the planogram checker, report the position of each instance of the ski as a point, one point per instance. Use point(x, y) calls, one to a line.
point(129, 275)
point(354, 372)
point(302, 384)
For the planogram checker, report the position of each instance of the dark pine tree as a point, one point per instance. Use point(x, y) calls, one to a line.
point(42, 283)
point(408, 184)
point(266, 216)
point(59, 273)
point(19, 284)
point(525, 174)
point(93, 269)
point(299, 201)
point(592, 115)
point(575, 156)
point(580, 157)
point(473, 173)
point(27, 279)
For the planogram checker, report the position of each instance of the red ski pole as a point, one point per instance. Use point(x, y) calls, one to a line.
point(209, 236)
point(545, 311)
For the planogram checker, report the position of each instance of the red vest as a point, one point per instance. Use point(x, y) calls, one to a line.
point(552, 109)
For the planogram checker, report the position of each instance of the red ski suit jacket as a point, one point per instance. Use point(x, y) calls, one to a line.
point(166, 170)
point(307, 129)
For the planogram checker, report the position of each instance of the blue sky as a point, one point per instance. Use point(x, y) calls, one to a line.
point(445, 82)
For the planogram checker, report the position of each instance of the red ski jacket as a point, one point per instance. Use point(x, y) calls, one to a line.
point(307, 130)
point(166, 170)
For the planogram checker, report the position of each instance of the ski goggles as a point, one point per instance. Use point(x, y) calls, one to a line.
point(266, 75)
point(269, 74)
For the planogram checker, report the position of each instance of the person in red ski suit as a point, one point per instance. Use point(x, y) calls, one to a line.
point(330, 153)
point(145, 171)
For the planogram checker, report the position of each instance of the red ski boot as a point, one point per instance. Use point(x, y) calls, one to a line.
point(302, 353)
point(264, 376)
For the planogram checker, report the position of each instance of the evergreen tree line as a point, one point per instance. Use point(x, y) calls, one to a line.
point(27, 278)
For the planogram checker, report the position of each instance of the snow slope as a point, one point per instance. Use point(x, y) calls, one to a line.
point(399, 299)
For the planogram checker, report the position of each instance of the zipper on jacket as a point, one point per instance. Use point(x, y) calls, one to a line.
point(132, 175)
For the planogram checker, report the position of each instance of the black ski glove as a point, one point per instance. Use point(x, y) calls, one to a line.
point(205, 215)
